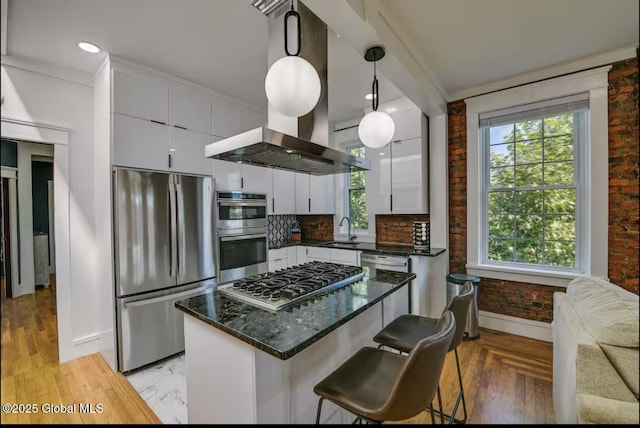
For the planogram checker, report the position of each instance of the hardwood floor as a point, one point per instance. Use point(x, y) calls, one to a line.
point(31, 374)
point(507, 378)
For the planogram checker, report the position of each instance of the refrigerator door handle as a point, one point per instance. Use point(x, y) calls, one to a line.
point(182, 295)
point(172, 225)
point(179, 223)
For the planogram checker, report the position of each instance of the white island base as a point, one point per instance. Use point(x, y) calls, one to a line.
point(232, 382)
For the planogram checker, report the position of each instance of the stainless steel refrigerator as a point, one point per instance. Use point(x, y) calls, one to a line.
point(164, 252)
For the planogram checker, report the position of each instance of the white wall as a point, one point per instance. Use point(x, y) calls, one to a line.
point(27, 284)
point(35, 97)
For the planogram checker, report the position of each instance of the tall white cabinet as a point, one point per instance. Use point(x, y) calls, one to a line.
point(398, 182)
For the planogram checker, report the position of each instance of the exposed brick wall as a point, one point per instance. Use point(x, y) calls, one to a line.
point(532, 301)
point(623, 175)
point(397, 228)
point(316, 227)
point(457, 112)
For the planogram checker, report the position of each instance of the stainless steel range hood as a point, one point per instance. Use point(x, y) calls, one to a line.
point(266, 147)
point(295, 144)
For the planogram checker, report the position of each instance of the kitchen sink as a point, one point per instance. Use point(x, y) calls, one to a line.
point(343, 244)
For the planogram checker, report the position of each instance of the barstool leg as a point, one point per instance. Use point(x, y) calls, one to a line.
point(440, 405)
point(460, 396)
point(319, 409)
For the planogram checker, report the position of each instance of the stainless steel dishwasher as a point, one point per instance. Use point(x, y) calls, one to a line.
point(399, 302)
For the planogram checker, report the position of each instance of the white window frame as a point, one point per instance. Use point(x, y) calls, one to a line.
point(595, 205)
point(345, 194)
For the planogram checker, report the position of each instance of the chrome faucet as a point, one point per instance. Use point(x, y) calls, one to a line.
point(350, 237)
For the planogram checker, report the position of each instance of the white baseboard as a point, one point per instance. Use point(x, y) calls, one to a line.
point(97, 342)
point(518, 326)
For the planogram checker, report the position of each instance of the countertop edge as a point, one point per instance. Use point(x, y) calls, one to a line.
point(410, 251)
point(304, 345)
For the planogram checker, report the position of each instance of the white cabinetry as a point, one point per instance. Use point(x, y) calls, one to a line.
point(158, 123)
point(318, 254)
point(408, 124)
point(140, 96)
point(345, 257)
point(189, 108)
point(278, 259)
point(314, 194)
point(233, 177)
point(282, 258)
point(333, 255)
point(140, 143)
point(398, 181)
point(302, 254)
point(282, 198)
point(186, 150)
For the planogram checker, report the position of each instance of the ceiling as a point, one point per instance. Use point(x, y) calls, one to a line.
point(222, 44)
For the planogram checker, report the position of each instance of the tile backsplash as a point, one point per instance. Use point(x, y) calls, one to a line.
point(279, 230)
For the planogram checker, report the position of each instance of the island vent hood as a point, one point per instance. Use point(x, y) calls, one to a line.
point(291, 143)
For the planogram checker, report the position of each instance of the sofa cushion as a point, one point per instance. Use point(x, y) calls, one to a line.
point(609, 312)
point(625, 361)
point(593, 409)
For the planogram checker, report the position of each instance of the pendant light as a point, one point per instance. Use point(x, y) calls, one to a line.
point(292, 84)
point(376, 128)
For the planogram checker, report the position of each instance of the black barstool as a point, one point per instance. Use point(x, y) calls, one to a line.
point(377, 385)
point(406, 331)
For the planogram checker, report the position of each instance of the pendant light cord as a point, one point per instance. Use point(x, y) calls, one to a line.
point(374, 89)
point(296, 15)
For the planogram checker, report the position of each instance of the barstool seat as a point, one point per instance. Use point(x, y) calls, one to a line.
point(404, 332)
point(378, 385)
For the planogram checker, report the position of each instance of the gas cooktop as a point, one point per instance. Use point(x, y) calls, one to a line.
point(278, 290)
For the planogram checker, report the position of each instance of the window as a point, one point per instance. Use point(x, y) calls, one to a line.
point(533, 182)
point(537, 180)
point(357, 201)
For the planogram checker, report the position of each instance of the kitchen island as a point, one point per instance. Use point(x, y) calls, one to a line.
point(249, 365)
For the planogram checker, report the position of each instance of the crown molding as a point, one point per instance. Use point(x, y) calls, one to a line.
point(605, 58)
point(47, 68)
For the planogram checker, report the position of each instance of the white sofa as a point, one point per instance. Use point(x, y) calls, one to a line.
point(595, 353)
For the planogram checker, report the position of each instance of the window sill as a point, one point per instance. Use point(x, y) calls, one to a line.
point(532, 276)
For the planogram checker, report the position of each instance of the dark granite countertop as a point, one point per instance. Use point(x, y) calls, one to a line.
point(290, 331)
point(371, 247)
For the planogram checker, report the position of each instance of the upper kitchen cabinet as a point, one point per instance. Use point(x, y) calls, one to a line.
point(144, 97)
point(238, 177)
point(398, 182)
point(226, 118)
point(283, 195)
point(408, 124)
point(140, 143)
point(189, 108)
point(314, 194)
point(186, 152)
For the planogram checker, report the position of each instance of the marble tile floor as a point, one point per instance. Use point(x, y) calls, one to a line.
point(164, 387)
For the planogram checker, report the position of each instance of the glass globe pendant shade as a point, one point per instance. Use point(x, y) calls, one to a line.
point(376, 129)
point(292, 86)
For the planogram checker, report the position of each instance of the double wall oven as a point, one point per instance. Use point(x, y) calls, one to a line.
point(241, 235)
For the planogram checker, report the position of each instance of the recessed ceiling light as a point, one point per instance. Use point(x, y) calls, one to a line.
point(289, 151)
point(88, 47)
point(390, 109)
point(369, 96)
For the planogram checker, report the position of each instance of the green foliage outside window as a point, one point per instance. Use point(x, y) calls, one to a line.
point(531, 197)
point(357, 198)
